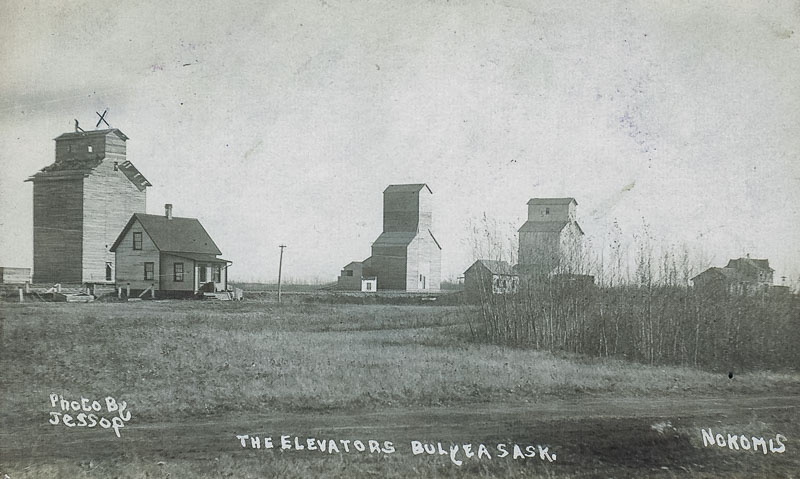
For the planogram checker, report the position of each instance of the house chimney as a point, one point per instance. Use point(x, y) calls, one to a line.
point(168, 211)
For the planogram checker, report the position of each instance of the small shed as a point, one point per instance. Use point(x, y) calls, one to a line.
point(350, 279)
point(369, 284)
point(490, 276)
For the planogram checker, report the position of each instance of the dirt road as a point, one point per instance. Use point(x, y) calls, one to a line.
point(633, 433)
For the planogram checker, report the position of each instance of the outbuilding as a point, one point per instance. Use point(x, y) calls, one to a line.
point(490, 277)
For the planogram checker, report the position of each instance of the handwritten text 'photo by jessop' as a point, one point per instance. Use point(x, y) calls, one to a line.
point(85, 412)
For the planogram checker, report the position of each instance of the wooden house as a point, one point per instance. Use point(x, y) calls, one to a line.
point(490, 277)
point(80, 204)
point(174, 256)
point(740, 276)
point(550, 240)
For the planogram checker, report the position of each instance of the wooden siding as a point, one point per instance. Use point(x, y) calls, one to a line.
point(167, 278)
point(57, 230)
point(130, 262)
point(109, 200)
point(407, 211)
point(400, 267)
point(538, 251)
point(558, 212)
point(425, 259)
point(15, 275)
point(547, 252)
point(436, 266)
point(425, 202)
point(388, 264)
point(400, 211)
point(413, 253)
point(353, 282)
point(102, 146)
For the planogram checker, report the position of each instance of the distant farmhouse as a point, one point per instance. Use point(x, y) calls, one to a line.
point(550, 241)
point(488, 276)
point(173, 256)
point(741, 276)
point(406, 256)
point(549, 247)
point(80, 204)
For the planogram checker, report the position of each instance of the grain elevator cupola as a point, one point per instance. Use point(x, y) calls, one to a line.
point(80, 204)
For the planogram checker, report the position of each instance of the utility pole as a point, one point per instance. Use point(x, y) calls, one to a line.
point(280, 267)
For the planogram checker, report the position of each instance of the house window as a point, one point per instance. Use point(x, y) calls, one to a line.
point(217, 274)
point(178, 272)
point(69, 148)
point(108, 272)
point(202, 272)
point(348, 272)
point(148, 271)
point(90, 149)
point(547, 211)
point(369, 286)
point(137, 240)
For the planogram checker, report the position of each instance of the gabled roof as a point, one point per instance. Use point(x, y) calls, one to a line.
point(551, 201)
point(727, 273)
point(494, 267)
point(176, 235)
point(543, 226)
point(761, 264)
point(409, 188)
point(92, 133)
point(400, 238)
point(547, 226)
point(396, 238)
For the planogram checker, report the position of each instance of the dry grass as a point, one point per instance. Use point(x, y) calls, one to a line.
point(194, 358)
point(183, 359)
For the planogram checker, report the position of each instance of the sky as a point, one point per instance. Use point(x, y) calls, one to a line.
point(282, 122)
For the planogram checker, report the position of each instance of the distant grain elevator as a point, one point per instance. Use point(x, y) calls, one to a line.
point(406, 255)
point(550, 241)
point(81, 202)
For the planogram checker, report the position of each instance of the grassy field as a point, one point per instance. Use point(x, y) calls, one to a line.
point(190, 362)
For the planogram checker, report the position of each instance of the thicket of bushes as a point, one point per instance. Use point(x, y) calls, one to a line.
point(651, 324)
point(643, 310)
